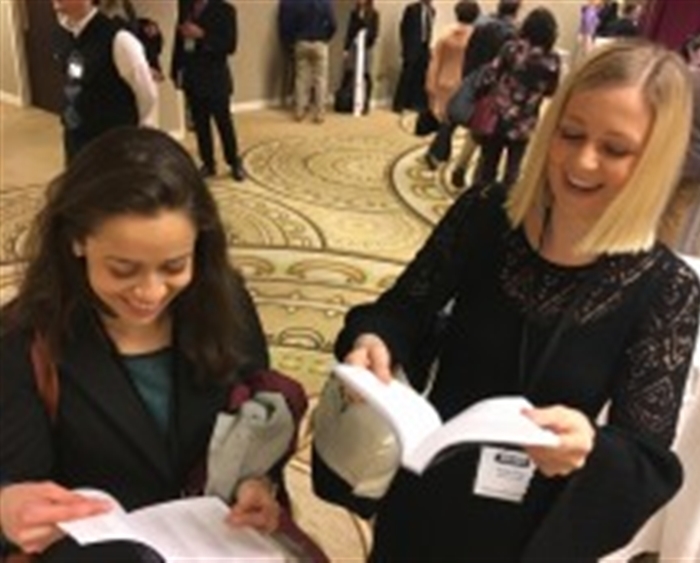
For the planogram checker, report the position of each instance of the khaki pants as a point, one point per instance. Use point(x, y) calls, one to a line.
point(311, 59)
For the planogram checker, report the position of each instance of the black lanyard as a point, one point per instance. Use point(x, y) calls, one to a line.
point(528, 383)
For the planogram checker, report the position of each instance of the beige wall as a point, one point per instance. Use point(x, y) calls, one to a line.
point(257, 65)
point(12, 84)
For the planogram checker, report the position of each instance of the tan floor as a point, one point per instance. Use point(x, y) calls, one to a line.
point(328, 217)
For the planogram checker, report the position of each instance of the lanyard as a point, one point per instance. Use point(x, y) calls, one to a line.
point(528, 382)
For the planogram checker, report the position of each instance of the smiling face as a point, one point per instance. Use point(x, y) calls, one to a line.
point(138, 264)
point(595, 148)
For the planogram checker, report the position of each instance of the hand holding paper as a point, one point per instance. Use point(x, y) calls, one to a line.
point(420, 430)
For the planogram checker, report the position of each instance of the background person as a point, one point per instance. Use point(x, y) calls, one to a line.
point(447, 55)
point(415, 32)
point(589, 21)
point(149, 326)
point(624, 25)
point(681, 226)
point(525, 72)
point(108, 80)
point(206, 35)
point(364, 16)
point(559, 293)
point(313, 25)
point(285, 31)
point(490, 34)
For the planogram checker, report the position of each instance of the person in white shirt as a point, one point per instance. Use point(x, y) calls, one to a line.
point(108, 82)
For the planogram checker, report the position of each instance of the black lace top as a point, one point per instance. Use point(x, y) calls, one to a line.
point(620, 331)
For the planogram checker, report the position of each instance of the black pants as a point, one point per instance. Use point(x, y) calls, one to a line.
point(410, 91)
point(492, 148)
point(441, 145)
point(203, 109)
point(74, 140)
point(68, 551)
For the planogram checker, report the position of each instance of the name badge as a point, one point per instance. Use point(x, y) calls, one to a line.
point(188, 44)
point(75, 69)
point(503, 474)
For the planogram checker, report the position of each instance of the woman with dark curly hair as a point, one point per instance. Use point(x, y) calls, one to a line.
point(129, 288)
point(525, 72)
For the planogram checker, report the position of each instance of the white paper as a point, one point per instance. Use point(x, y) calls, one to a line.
point(422, 435)
point(410, 415)
point(191, 529)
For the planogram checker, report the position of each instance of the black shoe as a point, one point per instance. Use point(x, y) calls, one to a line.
point(207, 171)
point(238, 173)
point(431, 162)
point(459, 177)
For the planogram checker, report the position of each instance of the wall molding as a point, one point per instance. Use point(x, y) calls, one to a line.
point(14, 99)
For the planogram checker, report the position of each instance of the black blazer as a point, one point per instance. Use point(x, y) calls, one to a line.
point(412, 44)
point(104, 437)
point(205, 71)
point(370, 22)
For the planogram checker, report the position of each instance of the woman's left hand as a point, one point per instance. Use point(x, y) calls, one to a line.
point(256, 505)
point(576, 435)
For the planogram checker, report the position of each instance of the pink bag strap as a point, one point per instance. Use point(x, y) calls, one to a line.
point(45, 374)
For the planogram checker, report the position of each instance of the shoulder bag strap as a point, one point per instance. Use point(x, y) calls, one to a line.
point(45, 374)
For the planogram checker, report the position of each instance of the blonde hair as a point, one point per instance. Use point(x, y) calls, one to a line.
point(630, 221)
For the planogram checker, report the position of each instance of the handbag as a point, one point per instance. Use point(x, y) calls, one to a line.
point(343, 99)
point(355, 453)
point(484, 118)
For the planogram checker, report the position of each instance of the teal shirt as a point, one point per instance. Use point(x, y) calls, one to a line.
point(152, 375)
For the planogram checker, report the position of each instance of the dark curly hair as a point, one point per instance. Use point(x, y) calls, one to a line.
point(466, 11)
point(141, 171)
point(539, 28)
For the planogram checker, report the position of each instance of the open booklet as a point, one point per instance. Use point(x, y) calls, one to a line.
point(420, 430)
point(190, 529)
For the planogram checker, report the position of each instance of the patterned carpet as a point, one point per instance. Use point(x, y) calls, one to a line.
point(327, 219)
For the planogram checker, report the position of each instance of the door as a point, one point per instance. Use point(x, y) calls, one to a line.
point(45, 77)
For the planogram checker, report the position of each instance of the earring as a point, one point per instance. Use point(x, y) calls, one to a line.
point(78, 249)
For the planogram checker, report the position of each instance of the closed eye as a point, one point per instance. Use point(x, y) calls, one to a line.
point(176, 266)
point(570, 134)
point(617, 151)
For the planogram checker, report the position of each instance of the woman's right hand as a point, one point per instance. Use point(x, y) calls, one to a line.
point(29, 512)
point(370, 352)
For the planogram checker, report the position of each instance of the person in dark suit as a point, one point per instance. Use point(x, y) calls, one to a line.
point(207, 34)
point(108, 82)
point(416, 31)
point(149, 327)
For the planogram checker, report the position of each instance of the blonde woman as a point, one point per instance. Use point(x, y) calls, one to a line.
point(562, 294)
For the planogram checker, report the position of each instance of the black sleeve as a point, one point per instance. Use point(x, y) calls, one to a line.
point(221, 31)
point(631, 472)
point(372, 28)
point(405, 33)
point(401, 315)
point(483, 47)
point(25, 429)
point(253, 343)
point(350, 31)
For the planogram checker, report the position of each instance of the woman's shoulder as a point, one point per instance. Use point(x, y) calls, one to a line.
point(480, 209)
point(13, 329)
point(686, 269)
point(15, 342)
point(675, 279)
